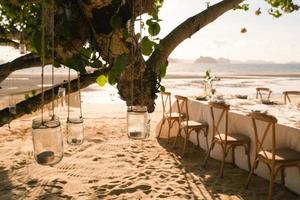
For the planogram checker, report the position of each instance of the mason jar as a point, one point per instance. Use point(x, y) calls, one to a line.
point(138, 122)
point(47, 141)
point(75, 131)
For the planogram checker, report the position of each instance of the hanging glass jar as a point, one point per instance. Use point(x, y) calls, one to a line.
point(61, 98)
point(75, 131)
point(138, 123)
point(22, 48)
point(47, 141)
point(12, 107)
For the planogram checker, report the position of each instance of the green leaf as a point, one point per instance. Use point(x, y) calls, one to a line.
point(162, 88)
point(27, 96)
point(36, 41)
point(116, 21)
point(163, 70)
point(117, 69)
point(101, 80)
point(125, 34)
point(154, 28)
point(96, 64)
point(146, 46)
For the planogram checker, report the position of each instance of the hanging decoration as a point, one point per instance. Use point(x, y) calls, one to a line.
point(75, 128)
point(46, 132)
point(12, 107)
point(138, 121)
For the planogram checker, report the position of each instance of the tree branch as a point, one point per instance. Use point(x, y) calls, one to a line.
point(23, 62)
point(34, 103)
point(8, 42)
point(186, 30)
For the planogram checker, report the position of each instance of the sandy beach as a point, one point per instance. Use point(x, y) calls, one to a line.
point(110, 166)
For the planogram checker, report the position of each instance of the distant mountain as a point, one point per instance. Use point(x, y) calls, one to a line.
point(211, 60)
point(179, 60)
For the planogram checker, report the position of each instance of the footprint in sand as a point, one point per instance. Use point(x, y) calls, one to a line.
point(120, 155)
point(32, 182)
point(144, 187)
point(54, 187)
point(96, 159)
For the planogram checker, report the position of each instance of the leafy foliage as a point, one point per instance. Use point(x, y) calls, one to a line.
point(117, 69)
point(102, 80)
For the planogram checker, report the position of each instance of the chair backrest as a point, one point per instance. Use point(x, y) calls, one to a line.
point(224, 108)
point(260, 91)
point(182, 106)
point(261, 135)
point(166, 103)
point(287, 97)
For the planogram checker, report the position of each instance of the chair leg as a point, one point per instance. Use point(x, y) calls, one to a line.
point(184, 144)
point(247, 151)
point(169, 131)
point(162, 123)
point(208, 154)
point(206, 137)
point(271, 184)
point(223, 163)
point(198, 143)
point(175, 141)
point(283, 176)
point(251, 172)
point(233, 156)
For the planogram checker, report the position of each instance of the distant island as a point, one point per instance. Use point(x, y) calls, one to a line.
point(221, 60)
point(211, 60)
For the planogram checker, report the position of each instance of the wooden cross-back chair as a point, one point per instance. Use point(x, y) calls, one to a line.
point(186, 125)
point(168, 116)
point(227, 141)
point(261, 90)
point(275, 159)
point(287, 97)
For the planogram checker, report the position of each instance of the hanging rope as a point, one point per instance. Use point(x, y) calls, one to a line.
point(43, 59)
point(132, 33)
point(52, 41)
point(141, 72)
point(69, 91)
point(79, 92)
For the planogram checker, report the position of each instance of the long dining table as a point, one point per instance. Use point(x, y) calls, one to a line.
point(287, 132)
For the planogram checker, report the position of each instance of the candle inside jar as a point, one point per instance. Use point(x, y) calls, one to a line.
point(135, 133)
point(45, 157)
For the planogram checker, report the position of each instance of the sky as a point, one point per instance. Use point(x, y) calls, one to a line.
point(266, 39)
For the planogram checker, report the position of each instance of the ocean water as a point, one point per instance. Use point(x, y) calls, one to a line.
point(196, 68)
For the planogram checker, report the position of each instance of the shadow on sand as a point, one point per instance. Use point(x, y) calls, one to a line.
point(5, 184)
point(211, 186)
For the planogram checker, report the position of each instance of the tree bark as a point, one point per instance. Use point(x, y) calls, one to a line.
point(186, 29)
point(137, 84)
point(34, 103)
point(23, 62)
point(8, 42)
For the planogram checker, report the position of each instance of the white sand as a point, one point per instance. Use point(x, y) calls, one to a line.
point(110, 166)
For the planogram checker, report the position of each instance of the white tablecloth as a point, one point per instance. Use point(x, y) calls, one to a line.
point(287, 133)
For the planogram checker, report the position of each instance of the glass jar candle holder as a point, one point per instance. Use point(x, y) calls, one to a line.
point(62, 98)
point(138, 123)
point(12, 109)
point(47, 141)
point(75, 131)
point(22, 48)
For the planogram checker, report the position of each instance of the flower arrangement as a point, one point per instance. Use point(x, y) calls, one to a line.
point(209, 79)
